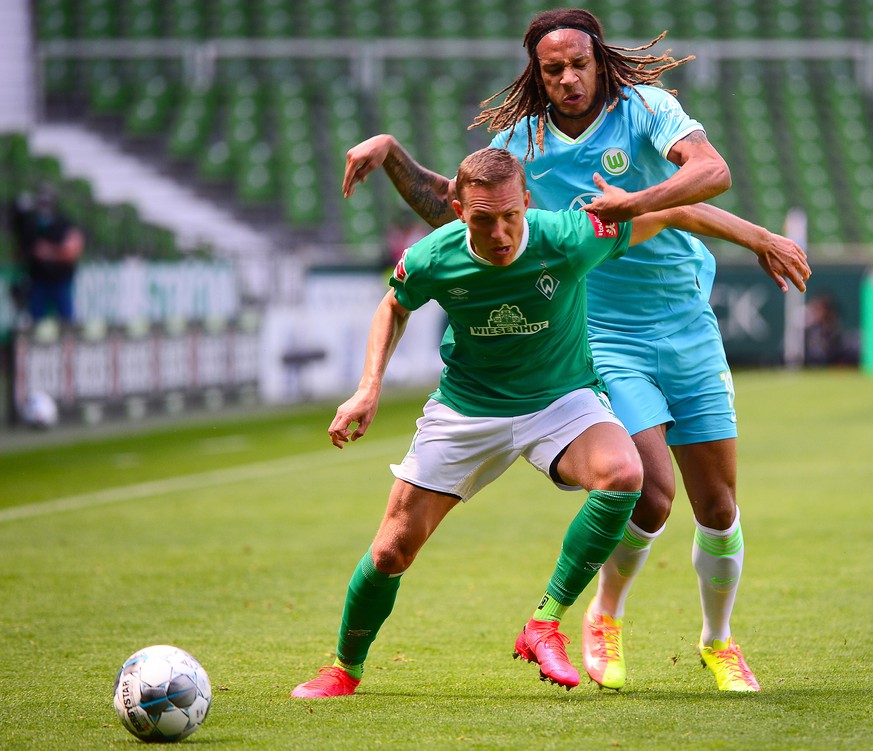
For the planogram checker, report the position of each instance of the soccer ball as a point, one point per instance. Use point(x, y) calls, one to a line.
point(39, 410)
point(162, 694)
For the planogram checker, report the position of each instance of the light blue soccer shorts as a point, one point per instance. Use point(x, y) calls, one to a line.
point(682, 380)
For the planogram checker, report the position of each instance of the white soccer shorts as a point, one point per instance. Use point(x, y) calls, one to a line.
point(458, 455)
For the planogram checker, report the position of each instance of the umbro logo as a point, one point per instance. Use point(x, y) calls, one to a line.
point(458, 292)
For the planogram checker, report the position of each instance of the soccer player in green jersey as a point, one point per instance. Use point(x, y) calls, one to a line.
point(516, 383)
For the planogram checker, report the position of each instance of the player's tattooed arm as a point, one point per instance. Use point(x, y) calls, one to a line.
point(428, 193)
point(696, 136)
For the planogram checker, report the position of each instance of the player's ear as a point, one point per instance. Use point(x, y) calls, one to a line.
point(459, 210)
point(526, 200)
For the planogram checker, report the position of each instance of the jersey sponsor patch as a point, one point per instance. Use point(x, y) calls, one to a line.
point(400, 268)
point(508, 319)
point(601, 228)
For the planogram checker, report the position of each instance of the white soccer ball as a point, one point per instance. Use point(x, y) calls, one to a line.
point(39, 410)
point(162, 694)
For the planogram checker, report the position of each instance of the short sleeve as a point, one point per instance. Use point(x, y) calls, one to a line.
point(595, 240)
point(409, 279)
point(666, 124)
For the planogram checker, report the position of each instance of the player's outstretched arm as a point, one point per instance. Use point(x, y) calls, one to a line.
point(388, 325)
point(428, 193)
point(702, 174)
point(782, 259)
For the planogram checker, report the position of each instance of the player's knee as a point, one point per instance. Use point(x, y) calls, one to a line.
point(390, 558)
point(717, 514)
point(622, 474)
point(652, 510)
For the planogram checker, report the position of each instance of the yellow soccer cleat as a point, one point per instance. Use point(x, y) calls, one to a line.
point(603, 651)
point(726, 662)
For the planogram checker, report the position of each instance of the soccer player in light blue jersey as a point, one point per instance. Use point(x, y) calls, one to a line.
point(583, 107)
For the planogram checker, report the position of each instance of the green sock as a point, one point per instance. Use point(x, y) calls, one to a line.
point(355, 671)
point(549, 609)
point(590, 539)
point(369, 601)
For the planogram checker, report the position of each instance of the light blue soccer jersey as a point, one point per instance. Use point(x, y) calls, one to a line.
point(655, 289)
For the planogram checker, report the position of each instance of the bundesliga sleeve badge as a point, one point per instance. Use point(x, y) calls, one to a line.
point(601, 228)
point(400, 268)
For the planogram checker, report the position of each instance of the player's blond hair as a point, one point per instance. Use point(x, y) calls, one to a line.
point(488, 167)
point(526, 96)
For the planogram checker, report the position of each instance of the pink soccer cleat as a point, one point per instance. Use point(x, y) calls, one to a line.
point(542, 643)
point(330, 681)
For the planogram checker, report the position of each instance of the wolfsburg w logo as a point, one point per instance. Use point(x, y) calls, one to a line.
point(507, 319)
point(615, 161)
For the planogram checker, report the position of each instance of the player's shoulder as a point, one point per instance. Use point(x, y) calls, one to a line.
point(651, 99)
point(516, 139)
point(428, 249)
point(571, 222)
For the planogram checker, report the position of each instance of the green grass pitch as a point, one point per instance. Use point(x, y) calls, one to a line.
point(235, 538)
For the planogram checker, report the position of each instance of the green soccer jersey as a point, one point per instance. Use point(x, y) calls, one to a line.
point(517, 338)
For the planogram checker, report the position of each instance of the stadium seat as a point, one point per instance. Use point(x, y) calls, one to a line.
point(360, 221)
point(297, 178)
point(192, 125)
point(98, 19)
point(406, 18)
point(185, 19)
point(447, 19)
point(273, 18)
point(831, 19)
point(786, 19)
point(256, 179)
point(806, 139)
point(318, 19)
point(445, 114)
point(863, 19)
point(149, 113)
point(107, 92)
point(662, 15)
point(216, 164)
point(853, 146)
point(54, 19)
point(491, 21)
point(741, 19)
point(699, 19)
point(140, 19)
point(394, 103)
point(229, 19)
point(364, 19)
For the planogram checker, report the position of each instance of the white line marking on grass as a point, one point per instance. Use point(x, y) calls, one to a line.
point(259, 470)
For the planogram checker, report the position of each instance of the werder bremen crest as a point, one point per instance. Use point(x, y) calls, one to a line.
point(507, 319)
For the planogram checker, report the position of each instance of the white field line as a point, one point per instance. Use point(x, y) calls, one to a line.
point(260, 470)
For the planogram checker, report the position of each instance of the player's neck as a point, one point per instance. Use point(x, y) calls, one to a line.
point(575, 126)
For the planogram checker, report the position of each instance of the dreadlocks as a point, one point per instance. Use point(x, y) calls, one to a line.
point(526, 96)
